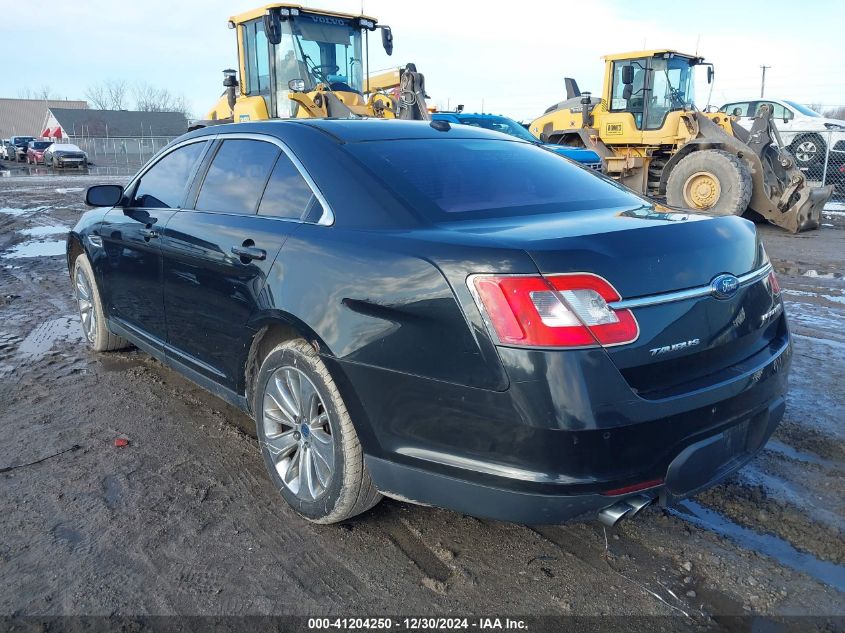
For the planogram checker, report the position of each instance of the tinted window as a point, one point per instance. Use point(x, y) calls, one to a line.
point(237, 176)
point(163, 186)
point(487, 178)
point(287, 193)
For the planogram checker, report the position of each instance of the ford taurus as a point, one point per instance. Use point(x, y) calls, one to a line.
point(441, 314)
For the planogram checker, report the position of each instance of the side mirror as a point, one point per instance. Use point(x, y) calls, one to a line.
point(104, 195)
point(627, 91)
point(387, 39)
point(273, 26)
point(627, 75)
point(710, 74)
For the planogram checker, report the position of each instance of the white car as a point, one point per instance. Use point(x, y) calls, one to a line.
point(61, 155)
point(805, 133)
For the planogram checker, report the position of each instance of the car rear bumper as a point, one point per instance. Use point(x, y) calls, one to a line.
point(510, 456)
point(699, 466)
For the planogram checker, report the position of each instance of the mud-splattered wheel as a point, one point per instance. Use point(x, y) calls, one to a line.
point(91, 309)
point(307, 439)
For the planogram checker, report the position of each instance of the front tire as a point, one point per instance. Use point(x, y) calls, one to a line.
point(808, 150)
point(712, 181)
point(307, 439)
point(91, 309)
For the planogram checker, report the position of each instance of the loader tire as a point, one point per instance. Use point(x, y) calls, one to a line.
point(712, 181)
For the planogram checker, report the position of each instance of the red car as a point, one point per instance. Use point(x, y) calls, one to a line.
point(35, 152)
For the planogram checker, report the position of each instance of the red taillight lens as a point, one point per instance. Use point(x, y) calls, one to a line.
point(773, 283)
point(558, 311)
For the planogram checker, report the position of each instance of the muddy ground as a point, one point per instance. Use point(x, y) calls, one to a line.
point(183, 520)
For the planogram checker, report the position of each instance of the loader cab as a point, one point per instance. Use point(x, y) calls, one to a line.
point(284, 45)
point(642, 89)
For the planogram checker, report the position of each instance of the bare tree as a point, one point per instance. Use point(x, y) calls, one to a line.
point(148, 98)
point(108, 95)
point(97, 97)
point(117, 89)
point(26, 93)
point(816, 107)
point(836, 113)
point(47, 93)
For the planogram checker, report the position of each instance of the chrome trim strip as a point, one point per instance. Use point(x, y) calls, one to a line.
point(478, 466)
point(327, 219)
point(692, 293)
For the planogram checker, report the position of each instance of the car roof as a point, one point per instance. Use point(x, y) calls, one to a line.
point(357, 130)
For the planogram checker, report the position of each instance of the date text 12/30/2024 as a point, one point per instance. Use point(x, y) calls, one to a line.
point(417, 624)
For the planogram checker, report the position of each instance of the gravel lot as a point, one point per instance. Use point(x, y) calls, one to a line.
point(184, 521)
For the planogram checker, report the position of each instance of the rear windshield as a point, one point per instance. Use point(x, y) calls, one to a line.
point(479, 178)
point(41, 144)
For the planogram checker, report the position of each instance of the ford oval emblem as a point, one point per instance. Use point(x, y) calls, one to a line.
point(724, 286)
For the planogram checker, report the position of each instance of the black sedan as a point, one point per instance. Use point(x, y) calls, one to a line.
point(441, 314)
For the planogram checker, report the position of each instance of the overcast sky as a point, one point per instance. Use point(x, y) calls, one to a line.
point(510, 56)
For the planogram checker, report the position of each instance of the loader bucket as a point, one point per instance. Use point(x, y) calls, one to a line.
point(781, 193)
point(806, 213)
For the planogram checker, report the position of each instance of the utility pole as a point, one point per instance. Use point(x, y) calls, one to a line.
point(763, 82)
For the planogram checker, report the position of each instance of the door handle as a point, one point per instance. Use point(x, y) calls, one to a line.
point(249, 252)
point(149, 233)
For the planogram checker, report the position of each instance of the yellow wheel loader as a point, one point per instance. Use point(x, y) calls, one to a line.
point(652, 139)
point(298, 62)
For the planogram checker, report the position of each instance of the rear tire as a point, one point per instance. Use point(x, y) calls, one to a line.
point(808, 150)
point(91, 309)
point(711, 181)
point(307, 439)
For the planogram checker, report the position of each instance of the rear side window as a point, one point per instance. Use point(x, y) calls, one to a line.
point(465, 178)
point(287, 194)
point(163, 185)
point(237, 176)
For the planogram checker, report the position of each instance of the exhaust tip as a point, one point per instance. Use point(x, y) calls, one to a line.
point(612, 515)
point(638, 503)
point(626, 509)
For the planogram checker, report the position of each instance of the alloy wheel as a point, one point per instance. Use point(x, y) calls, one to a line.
point(84, 297)
point(806, 151)
point(298, 433)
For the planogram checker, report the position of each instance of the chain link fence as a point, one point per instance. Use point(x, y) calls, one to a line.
point(120, 152)
point(820, 154)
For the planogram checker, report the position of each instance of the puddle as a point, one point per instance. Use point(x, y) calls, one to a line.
point(804, 293)
point(800, 456)
point(42, 339)
point(828, 573)
point(53, 248)
point(813, 315)
point(16, 212)
point(112, 491)
point(38, 231)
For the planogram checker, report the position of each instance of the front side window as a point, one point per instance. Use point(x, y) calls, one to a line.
point(287, 195)
point(256, 58)
point(469, 178)
point(237, 176)
point(629, 97)
point(163, 186)
point(672, 88)
point(777, 110)
point(737, 109)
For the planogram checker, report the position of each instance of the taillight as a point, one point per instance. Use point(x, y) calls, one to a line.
point(773, 283)
point(568, 310)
